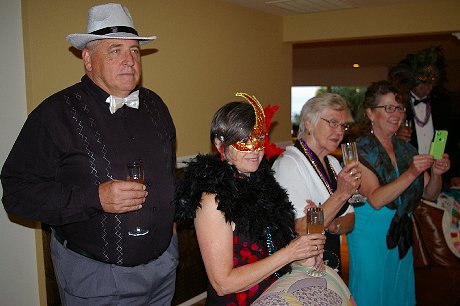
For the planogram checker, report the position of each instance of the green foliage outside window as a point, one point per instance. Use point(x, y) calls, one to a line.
point(353, 95)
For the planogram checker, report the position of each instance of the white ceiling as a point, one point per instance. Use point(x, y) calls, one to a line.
point(293, 7)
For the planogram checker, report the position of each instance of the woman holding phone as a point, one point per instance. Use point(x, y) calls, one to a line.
point(394, 180)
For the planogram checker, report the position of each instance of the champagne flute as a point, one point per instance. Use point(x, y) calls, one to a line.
point(315, 224)
point(315, 220)
point(350, 153)
point(407, 124)
point(136, 174)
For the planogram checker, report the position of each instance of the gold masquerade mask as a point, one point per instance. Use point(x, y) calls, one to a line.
point(255, 141)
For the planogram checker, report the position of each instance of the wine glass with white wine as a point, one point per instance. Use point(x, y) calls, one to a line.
point(350, 153)
point(315, 225)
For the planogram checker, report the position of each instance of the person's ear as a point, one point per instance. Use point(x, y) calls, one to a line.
point(308, 126)
point(219, 147)
point(86, 56)
point(370, 114)
point(217, 143)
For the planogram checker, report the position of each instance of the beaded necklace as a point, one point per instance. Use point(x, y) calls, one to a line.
point(271, 246)
point(319, 169)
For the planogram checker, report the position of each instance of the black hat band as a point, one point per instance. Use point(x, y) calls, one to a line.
point(115, 29)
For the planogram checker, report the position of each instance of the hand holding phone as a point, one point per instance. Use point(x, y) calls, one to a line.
point(439, 144)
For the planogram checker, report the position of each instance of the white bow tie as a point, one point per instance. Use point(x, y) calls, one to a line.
point(131, 101)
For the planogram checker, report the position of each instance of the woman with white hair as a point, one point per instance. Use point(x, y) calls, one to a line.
point(311, 175)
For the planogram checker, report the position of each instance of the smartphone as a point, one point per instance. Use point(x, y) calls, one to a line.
point(439, 143)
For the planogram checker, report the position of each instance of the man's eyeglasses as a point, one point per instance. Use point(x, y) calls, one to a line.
point(334, 124)
point(391, 108)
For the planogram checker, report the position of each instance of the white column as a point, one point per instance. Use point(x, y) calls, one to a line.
point(18, 263)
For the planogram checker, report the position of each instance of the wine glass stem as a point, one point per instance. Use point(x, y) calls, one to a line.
point(137, 220)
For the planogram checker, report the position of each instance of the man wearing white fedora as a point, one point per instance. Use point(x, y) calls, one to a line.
point(113, 240)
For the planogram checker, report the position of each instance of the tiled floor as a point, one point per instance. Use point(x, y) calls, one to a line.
point(343, 256)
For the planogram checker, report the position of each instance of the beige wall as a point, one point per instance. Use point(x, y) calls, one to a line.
point(418, 17)
point(206, 51)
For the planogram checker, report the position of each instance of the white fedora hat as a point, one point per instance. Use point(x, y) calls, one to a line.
point(107, 21)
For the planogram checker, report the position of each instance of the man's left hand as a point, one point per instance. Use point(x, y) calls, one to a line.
point(121, 196)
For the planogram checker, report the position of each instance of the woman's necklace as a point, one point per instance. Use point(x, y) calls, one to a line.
point(323, 176)
point(270, 246)
point(423, 122)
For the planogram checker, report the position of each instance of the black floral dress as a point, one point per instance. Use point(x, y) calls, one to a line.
point(257, 205)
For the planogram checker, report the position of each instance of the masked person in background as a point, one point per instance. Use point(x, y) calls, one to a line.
point(420, 79)
point(243, 219)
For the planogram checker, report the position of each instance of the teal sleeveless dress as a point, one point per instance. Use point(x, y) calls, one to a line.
point(382, 272)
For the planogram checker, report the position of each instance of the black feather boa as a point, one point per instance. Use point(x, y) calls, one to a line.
point(253, 203)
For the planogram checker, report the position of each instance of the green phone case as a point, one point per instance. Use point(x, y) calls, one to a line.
point(439, 143)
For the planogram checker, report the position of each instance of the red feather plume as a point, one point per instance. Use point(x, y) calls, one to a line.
point(270, 148)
